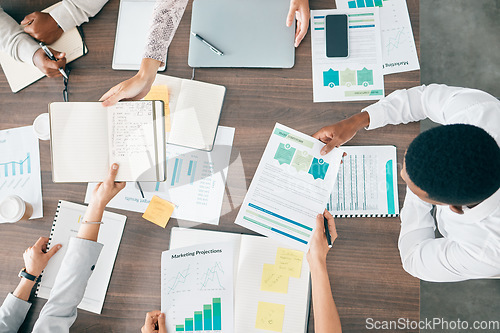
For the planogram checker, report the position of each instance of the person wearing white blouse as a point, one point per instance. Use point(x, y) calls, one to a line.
point(453, 178)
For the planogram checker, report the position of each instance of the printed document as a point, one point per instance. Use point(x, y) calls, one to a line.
point(398, 46)
point(290, 188)
point(358, 77)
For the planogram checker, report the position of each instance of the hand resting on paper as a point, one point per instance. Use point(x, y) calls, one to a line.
point(42, 27)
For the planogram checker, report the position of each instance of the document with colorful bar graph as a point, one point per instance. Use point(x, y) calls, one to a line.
point(291, 186)
point(358, 77)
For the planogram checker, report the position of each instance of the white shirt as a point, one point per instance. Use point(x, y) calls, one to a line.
point(470, 248)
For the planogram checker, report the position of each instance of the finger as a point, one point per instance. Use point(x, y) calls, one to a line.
point(152, 317)
point(109, 93)
point(28, 19)
point(304, 25)
point(291, 15)
point(53, 250)
point(114, 98)
point(329, 147)
point(320, 223)
point(331, 224)
point(162, 326)
point(320, 135)
point(40, 242)
point(110, 179)
point(120, 185)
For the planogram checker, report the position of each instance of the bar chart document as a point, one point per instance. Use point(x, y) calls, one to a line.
point(290, 187)
point(358, 77)
point(197, 288)
point(366, 184)
point(20, 167)
point(195, 183)
point(398, 45)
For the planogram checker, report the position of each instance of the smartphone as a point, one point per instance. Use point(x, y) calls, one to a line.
point(337, 36)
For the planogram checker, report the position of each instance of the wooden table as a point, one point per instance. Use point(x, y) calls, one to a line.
point(366, 275)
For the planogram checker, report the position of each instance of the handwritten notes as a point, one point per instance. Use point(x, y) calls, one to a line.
point(273, 280)
point(160, 93)
point(289, 262)
point(270, 316)
point(159, 211)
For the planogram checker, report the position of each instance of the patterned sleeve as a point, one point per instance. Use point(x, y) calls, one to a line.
point(166, 17)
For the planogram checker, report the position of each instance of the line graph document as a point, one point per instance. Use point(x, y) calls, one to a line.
point(197, 291)
point(358, 77)
point(20, 167)
point(398, 45)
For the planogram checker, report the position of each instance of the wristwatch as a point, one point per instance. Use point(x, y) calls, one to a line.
point(26, 275)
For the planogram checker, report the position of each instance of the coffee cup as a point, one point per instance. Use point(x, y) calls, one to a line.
point(14, 209)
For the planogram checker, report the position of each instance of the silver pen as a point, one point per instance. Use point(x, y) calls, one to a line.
point(51, 57)
point(213, 48)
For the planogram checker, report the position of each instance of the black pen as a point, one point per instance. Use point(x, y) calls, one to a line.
point(213, 48)
point(140, 189)
point(51, 57)
point(327, 232)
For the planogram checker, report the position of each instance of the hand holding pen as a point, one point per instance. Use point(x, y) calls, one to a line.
point(319, 244)
point(49, 61)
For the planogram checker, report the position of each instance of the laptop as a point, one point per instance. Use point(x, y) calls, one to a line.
point(250, 33)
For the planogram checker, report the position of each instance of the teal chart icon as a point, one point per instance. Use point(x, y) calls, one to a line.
point(284, 154)
point(318, 168)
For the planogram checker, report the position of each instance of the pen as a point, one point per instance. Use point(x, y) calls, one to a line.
point(140, 189)
point(327, 232)
point(51, 57)
point(213, 48)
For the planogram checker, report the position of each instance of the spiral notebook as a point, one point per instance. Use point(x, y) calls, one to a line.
point(66, 224)
point(367, 184)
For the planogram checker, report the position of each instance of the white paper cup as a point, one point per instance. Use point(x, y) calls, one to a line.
point(41, 126)
point(14, 209)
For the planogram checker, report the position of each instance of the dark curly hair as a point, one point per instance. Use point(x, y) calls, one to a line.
point(455, 164)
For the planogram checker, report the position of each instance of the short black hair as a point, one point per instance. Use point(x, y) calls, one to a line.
point(455, 164)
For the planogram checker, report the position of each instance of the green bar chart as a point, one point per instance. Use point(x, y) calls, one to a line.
point(210, 319)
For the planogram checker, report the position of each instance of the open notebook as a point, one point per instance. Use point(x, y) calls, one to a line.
point(20, 75)
point(86, 138)
point(66, 224)
point(271, 283)
point(195, 109)
point(367, 183)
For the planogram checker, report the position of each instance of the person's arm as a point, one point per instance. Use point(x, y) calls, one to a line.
point(326, 316)
point(435, 259)
point(14, 41)
point(439, 103)
point(16, 305)
point(166, 17)
point(48, 27)
point(59, 313)
point(299, 9)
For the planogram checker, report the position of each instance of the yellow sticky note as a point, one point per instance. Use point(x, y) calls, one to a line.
point(270, 316)
point(289, 262)
point(159, 211)
point(273, 280)
point(161, 93)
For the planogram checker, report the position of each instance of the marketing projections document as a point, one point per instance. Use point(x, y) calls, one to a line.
point(290, 188)
point(358, 77)
point(197, 288)
point(398, 45)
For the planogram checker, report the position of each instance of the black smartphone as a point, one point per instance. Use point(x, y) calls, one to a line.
point(337, 36)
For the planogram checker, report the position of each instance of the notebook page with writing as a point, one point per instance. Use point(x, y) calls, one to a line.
point(66, 224)
point(255, 252)
point(196, 115)
point(79, 136)
point(132, 140)
point(20, 75)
